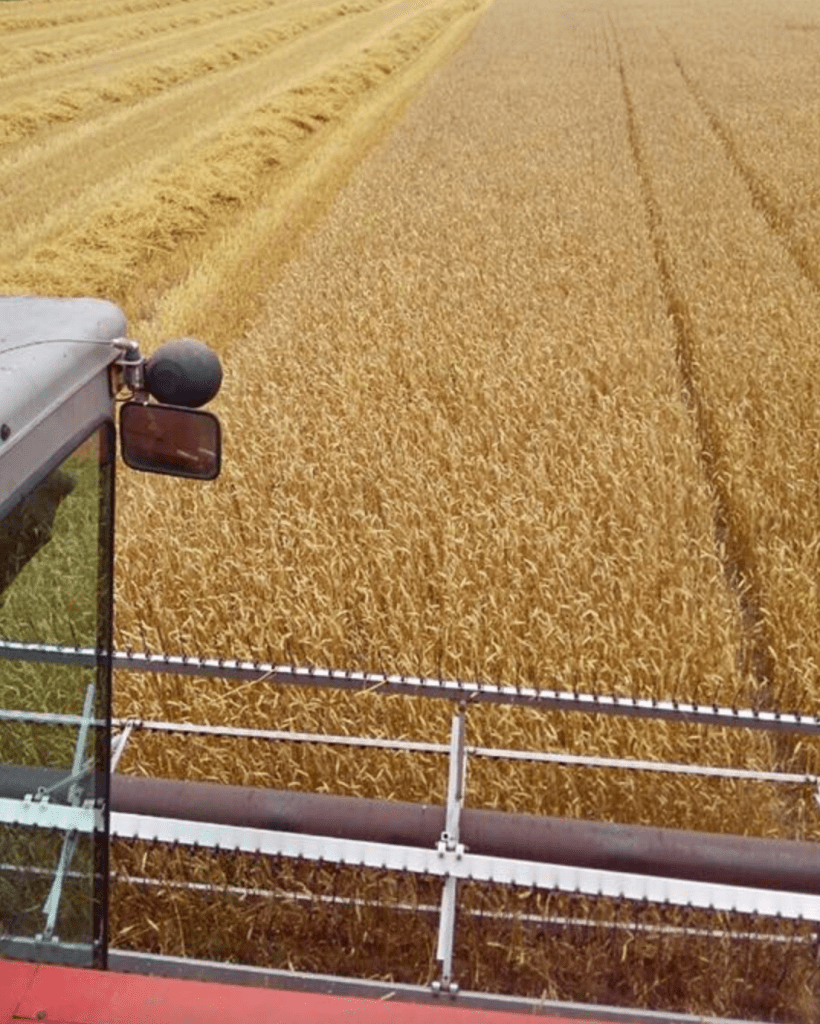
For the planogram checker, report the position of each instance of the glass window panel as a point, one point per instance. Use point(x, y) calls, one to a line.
point(56, 589)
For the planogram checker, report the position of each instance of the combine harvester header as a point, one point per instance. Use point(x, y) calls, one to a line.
point(64, 367)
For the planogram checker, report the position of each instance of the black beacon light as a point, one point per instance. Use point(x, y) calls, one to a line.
point(183, 372)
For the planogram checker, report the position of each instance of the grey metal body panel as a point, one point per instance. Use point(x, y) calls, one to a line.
point(54, 387)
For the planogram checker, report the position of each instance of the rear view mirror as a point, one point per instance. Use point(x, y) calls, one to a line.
point(169, 439)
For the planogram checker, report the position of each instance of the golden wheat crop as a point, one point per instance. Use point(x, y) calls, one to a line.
point(531, 397)
point(462, 448)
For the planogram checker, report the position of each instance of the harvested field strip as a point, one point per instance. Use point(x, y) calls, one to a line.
point(748, 301)
point(39, 48)
point(27, 116)
point(24, 17)
point(170, 127)
point(151, 44)
point(121, 242)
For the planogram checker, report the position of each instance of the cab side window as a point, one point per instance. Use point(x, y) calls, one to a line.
point(56, 597)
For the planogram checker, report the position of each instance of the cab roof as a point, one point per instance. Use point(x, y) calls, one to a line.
point(54, 387)
point(48, 349)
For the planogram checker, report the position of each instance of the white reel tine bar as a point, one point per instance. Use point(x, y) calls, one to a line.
point(446, 689)
point(464, 865)
point(48, 816)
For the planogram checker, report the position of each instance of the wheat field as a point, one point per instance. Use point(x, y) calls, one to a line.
point(516, 305)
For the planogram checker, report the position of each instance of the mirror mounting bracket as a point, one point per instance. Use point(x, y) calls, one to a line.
point(132, 365)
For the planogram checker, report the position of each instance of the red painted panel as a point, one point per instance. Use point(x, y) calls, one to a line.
point(61, 995)
point(15, 979)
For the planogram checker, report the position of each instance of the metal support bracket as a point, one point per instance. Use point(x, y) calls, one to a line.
point(51, 906)
point(122, 742)
point(450, 844)
point(131, 364)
